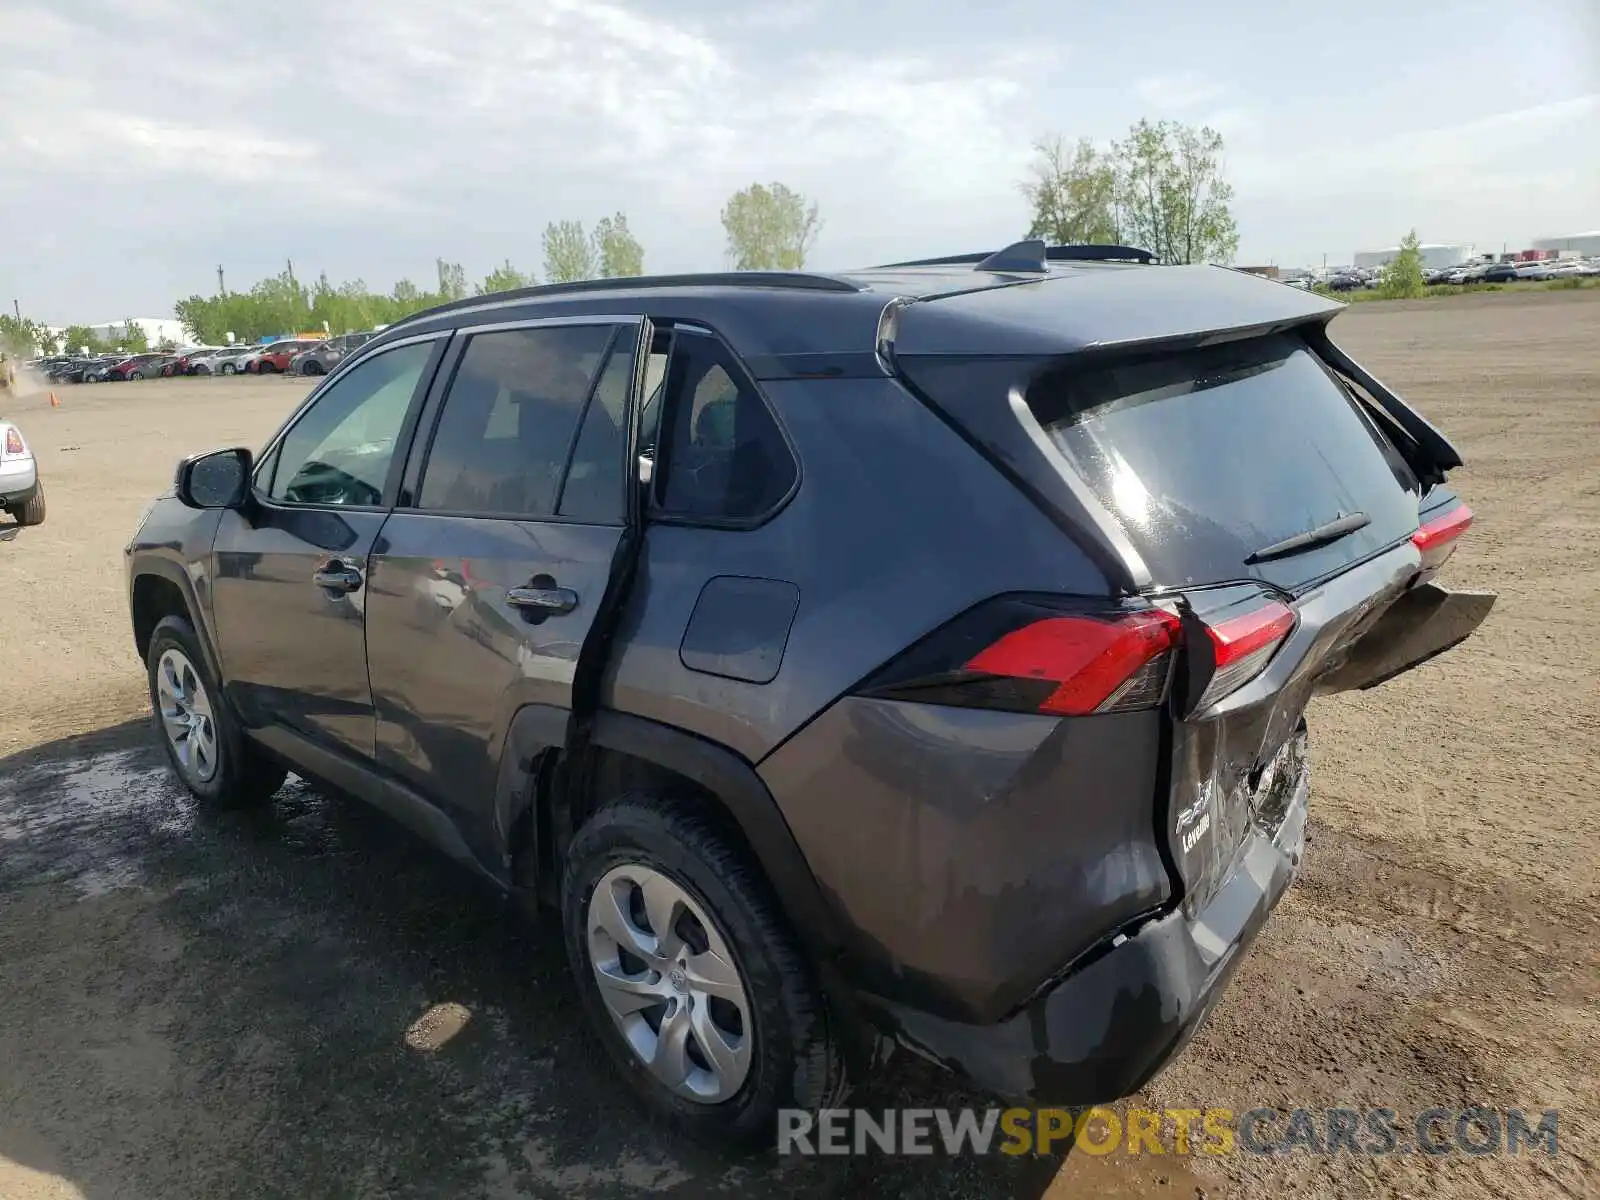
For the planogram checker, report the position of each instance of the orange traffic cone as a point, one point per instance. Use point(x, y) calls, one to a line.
point(54, 403)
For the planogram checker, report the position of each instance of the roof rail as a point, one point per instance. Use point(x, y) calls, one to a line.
point(798, 280)
point(1013, 254)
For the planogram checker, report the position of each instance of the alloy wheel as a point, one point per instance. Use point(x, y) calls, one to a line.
point(670, 983)
point(186, 715)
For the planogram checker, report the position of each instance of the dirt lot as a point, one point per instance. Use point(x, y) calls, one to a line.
point(199, 1006)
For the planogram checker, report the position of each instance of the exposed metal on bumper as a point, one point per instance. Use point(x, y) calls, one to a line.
point(1112, 1023)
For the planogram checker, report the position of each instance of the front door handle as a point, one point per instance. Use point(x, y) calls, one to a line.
point(336, 577)
point(543, 599)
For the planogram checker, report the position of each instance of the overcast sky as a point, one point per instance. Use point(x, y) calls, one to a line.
point(142, 142)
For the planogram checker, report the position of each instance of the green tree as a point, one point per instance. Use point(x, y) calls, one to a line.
point(80, 337)
point(452, 281)
point(1073, 193)
point(1402, 277)
point(569, 256)
point(504, 278)
point(769, 228)
point(134, 339)
point(23, 337)
point(1171, 194)
point(617, 250)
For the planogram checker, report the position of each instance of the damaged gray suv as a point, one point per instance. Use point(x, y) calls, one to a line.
point(914, 656)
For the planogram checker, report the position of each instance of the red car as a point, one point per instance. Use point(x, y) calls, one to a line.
point(275, 358)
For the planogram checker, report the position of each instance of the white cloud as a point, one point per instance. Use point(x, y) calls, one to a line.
point(1167, 95)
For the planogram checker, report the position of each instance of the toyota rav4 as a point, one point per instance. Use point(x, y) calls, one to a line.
point(914, 656)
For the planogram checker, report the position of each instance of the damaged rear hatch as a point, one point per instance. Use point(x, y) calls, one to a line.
point(1222, 458)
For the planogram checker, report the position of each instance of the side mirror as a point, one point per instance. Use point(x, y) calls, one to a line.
point(217, 479)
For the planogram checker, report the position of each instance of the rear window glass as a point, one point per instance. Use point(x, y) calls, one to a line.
point(1211, 455)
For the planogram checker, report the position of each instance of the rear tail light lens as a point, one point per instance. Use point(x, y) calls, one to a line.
point(1437, 538)
point(1243, 645)
point(14, 444)
point(1021, 657)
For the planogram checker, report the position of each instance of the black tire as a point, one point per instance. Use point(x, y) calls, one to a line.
point(32, 513)
point(798, 1058)
point(312, 368)
point(265, 368)
point(228, 369)
point(243, 776)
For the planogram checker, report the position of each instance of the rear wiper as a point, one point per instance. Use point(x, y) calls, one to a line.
point(1330, 531)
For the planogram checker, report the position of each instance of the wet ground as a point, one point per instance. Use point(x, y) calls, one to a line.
point(306, 1002)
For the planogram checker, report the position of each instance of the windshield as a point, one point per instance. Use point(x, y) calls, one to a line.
point(1210, 456)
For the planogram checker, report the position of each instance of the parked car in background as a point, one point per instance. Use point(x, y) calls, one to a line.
point(220, 362)
point(183, 364)
point(1020, 803)
point(71, 370)
point(320, 358)
point(21, 493)
point(137, 366)
point(1498, 273)
point(274, 358)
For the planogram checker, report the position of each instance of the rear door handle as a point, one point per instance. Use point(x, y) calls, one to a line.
point(337, 577)
point(543, 599)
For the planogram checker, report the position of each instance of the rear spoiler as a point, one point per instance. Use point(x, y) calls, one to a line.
point(1436, 457)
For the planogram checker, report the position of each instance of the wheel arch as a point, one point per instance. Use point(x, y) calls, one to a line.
point(159, 589)
point(532, 803)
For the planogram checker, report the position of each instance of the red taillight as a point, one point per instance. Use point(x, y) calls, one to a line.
point(1437, 538)
point(1096, 665)
point(1243, 646)
point(1018, 655)
point(14, 442)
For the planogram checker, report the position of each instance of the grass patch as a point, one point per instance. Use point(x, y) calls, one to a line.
point(1570, 284)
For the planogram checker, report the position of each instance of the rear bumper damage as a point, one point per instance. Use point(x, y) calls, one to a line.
point(1131, 1004)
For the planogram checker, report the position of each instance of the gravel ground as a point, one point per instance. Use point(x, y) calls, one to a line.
point(305, 1002)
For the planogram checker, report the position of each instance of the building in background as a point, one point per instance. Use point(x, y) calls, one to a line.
point(156, 330)
point(1584, 245)
point(1264, 272)
point(1435, 255)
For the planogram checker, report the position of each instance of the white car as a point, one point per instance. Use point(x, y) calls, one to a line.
point(21, 493)
point(223, 362)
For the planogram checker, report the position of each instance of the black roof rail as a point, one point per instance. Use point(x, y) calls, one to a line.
point(1084, 252)
point(798, 280)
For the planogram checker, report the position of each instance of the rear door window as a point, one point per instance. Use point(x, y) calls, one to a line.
point(1211, 455)
point(509, 420)
point(726, 460)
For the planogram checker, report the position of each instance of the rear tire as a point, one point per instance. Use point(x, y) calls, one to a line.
point(776, 1045)
point(32, 513)
point(207, 749)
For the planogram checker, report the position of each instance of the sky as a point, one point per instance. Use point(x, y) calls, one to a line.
point(145, 142)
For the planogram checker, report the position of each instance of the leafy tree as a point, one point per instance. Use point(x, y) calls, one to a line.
point(23, 337)
point(1402, 276)
point(134, 339)
point(80, 337)
point(452, 281)
point(1171, 194)
point(406, 294)
point(769, 228)
point(617, 250)
point(504, 278)
point(1073, 193)
point(569, 256)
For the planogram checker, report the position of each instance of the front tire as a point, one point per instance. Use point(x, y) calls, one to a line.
point(691, 977)
point(207, 749)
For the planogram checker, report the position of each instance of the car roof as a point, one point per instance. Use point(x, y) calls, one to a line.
point(1024, 299)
